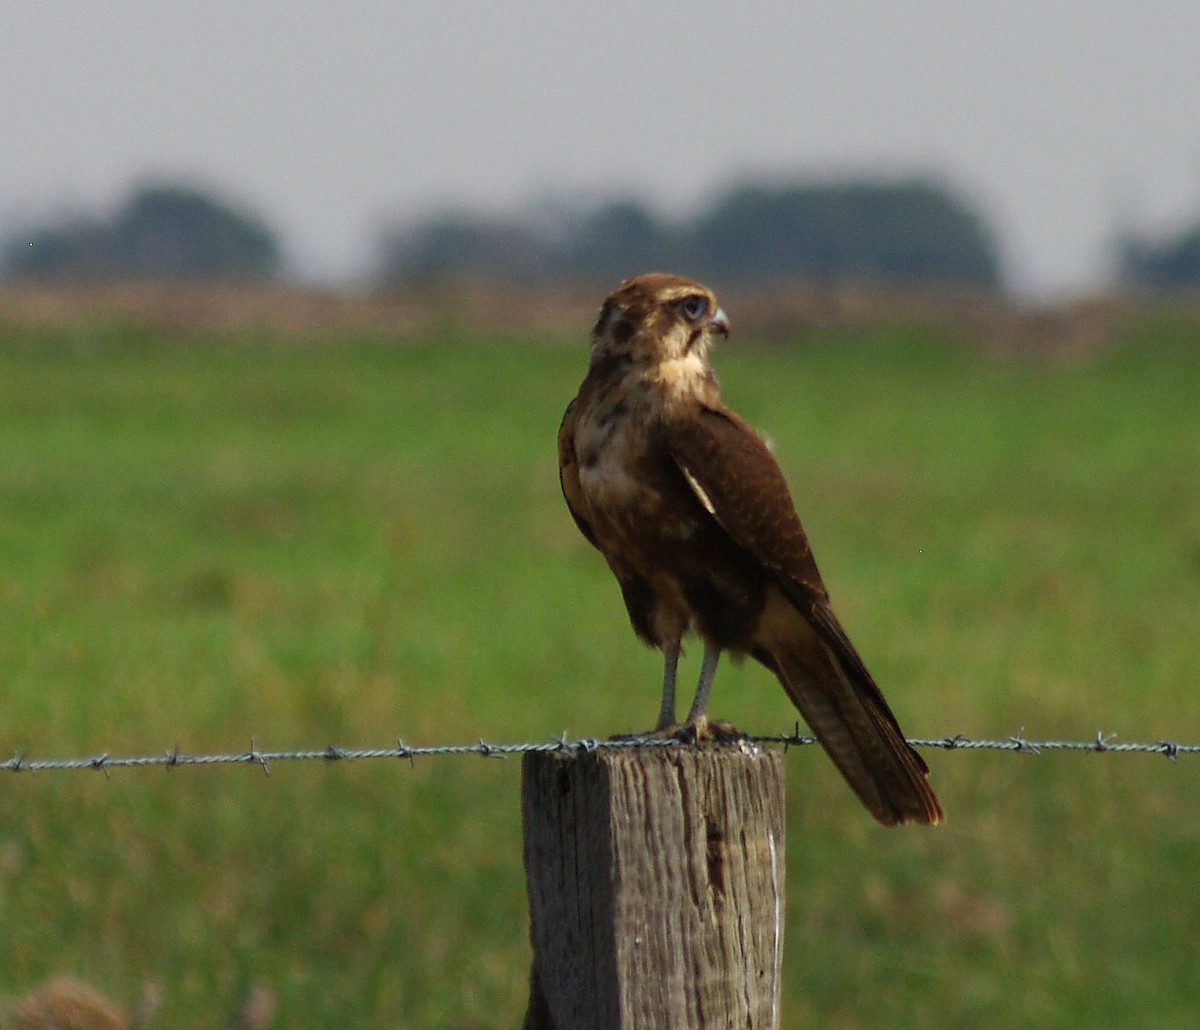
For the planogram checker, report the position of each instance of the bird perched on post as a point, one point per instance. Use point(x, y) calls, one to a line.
point(694, 517)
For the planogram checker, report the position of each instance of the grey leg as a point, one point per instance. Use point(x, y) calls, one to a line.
point(666, 714)
point(708, 671)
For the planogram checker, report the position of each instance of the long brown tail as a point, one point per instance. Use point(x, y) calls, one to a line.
point(851, 719)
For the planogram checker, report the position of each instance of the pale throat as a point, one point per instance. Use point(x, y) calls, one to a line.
point(686, 377)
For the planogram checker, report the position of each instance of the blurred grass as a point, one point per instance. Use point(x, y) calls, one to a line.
point(360, 540)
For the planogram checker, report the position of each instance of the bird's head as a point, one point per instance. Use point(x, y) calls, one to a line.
point(658, 318)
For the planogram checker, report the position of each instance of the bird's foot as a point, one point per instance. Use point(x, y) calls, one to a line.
point(694, 731)
point(724, 732)
point(718, 731)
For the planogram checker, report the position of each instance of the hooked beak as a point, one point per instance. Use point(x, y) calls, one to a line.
point(719, 323)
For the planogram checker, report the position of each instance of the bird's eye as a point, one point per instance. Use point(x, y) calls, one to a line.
point(693, 307)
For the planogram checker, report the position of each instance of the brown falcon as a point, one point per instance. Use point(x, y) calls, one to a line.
point(693, 515)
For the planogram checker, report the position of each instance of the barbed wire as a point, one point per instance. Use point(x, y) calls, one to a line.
point(1018, 743)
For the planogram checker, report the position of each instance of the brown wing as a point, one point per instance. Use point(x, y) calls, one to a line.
point(738, 480)
point(568, 473)
point(735, 477)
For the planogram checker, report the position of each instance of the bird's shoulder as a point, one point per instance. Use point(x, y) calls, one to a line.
point(566, 429)
point(568, 472)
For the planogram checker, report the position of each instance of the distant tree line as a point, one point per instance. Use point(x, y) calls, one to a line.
point(903, 232)
point(160, 232)
point(899, 232)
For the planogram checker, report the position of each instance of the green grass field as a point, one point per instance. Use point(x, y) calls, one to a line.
point(203, 542)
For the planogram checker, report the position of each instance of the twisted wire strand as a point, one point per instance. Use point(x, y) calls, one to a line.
point(1018, 743)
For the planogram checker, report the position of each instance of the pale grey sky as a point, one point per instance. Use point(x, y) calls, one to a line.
point(1056, 117)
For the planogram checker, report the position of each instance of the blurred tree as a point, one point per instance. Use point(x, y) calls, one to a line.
point(78, 248)
point(902, 232)
point(460, 244)
point(162, 232)
point(1173, 263)
point(618, 239)
point(176, 232)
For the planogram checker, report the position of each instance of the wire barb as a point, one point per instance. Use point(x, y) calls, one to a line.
point(254, 755)
point(1169, 748)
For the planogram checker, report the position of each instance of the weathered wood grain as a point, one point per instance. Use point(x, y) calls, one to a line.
point(655, 887)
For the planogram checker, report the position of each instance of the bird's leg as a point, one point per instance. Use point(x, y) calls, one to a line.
point(666, 714)
point(708, 671)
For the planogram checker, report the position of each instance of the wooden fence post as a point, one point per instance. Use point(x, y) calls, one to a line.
point(655, 882)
